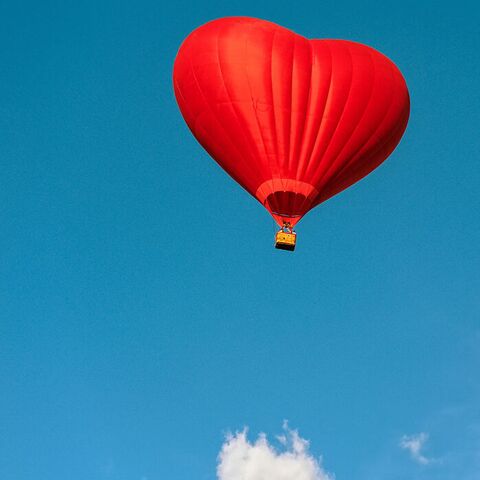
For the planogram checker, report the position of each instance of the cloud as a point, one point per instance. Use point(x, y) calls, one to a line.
point(241, 460)
point(414, 445)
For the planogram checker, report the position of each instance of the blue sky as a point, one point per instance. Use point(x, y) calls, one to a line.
point(141, 319)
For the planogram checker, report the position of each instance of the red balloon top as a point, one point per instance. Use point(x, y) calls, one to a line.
point(294, 121)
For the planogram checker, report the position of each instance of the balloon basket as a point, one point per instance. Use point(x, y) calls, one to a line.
point(285, 240)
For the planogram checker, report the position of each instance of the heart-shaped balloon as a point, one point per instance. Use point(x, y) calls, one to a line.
point(294, 121)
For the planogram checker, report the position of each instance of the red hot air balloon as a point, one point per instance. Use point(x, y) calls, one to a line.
point(294, 121)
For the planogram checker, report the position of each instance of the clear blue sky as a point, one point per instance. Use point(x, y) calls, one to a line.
point(140, 320)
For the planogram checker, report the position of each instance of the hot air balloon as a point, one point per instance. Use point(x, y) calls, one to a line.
point(294, 121)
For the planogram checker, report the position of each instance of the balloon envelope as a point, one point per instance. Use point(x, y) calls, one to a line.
point(294, 121)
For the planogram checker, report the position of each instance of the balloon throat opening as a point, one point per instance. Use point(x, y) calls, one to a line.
point(288, 200)
point(288, 204)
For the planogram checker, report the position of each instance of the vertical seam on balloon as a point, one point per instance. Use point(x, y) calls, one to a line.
point(308, 155)
point(270, 166)
point(365, 108)
point(359, 152)
point(307, 111)
point(322, 119)
point(339, 121)
point(285, 163)
point(254, 109)
point(292, 64)
point(281, 162)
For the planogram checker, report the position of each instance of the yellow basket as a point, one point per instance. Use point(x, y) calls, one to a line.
point(285, 241)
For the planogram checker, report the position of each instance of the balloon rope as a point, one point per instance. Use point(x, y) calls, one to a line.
point(274, 227)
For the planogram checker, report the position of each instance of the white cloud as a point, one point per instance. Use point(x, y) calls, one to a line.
point(414, 445)
point(241, 460)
